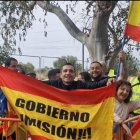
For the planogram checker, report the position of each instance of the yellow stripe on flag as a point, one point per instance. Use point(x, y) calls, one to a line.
point(137, 135)
point(134, 13)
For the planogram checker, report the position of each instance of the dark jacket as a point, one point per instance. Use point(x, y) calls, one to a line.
point(100, 78)
point(76, 84)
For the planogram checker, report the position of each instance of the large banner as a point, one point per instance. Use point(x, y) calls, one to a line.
point(133, 22)
point(54, 114)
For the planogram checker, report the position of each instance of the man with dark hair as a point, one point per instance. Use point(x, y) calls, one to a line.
point(11, 63)
point(66, 81)
point(54, 74)
point(96, 71)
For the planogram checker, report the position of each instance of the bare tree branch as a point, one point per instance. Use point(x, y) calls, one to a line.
point(68, 23)
point(116, 51)
point(115, 38)
point(32, 5)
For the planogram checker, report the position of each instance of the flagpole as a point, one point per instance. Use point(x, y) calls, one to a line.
point(119, 64)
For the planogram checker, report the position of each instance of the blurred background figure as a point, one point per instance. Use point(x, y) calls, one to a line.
point(84, 76)
point(21, 70)
point(135, 82)
point(54, 74)
point(31, 74)
point(104, 68)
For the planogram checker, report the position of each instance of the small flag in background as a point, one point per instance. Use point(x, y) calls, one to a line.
point(132, 28)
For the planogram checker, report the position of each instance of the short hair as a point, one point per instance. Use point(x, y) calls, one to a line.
point(8, 61)
point(85, 75)
point(53, 72)
point(96, 62)
point(67, 64)
point(122, 83)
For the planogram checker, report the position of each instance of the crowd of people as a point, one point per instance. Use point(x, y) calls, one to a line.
point(127, 97)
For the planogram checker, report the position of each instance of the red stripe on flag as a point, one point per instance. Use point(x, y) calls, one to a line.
point(133, 32)
point(135, 127)
point(22, 83)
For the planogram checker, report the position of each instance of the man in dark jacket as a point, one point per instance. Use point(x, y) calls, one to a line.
point(67, 82)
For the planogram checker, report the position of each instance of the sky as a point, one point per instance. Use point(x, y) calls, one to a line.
point(57, 43)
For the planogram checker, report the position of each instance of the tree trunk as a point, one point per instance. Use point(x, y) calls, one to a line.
point(97, 43)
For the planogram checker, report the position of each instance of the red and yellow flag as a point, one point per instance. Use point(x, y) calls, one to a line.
point(136, 130)
point(133, 24)
point(54, 114)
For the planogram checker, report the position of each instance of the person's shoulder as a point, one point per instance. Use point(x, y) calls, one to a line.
point(104, 77)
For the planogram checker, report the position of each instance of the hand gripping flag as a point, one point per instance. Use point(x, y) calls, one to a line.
point(133, 24)
point(54, 114)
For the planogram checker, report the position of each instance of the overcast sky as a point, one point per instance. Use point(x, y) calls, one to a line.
point(57, 43)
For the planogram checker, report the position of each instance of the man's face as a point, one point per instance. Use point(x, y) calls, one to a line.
point(95, 70)
point(67, 74)
point(13, 65)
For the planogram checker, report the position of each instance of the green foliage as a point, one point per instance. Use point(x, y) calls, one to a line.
point(5, 51)
point(27, 67)
point(15, 17)
point(132, 65)
point(68, 59)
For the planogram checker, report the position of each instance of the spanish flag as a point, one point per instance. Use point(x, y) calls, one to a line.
point(136, 130)
point(133, 24)
point(54, 114)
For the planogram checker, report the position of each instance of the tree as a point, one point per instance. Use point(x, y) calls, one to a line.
point(68, 59)
point(5, 51)
point(27, 67)
point(104, 34)
point(136, 65)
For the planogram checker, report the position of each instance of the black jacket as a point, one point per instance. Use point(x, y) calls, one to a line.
point(77, 84)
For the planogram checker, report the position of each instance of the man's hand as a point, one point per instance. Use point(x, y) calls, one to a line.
point(111, 81)
point(122, 56)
